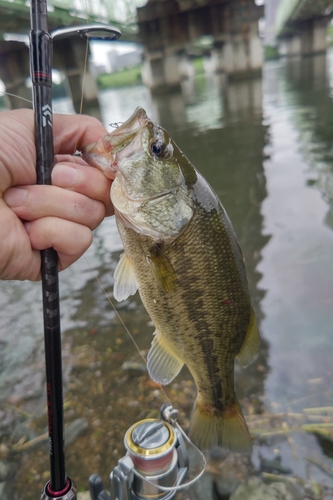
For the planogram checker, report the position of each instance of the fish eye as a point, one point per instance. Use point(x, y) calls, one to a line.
point(157, 148)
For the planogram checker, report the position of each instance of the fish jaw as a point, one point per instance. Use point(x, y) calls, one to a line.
point(106, 152)
point(99, 155)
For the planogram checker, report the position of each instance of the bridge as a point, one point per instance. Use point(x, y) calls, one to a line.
point(301, 26)
point(168, 30)
point(68, 54)
point(15, 15)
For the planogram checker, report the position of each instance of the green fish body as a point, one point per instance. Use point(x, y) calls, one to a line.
point(182, 254)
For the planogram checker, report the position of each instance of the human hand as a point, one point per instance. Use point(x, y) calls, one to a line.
point(62, 216)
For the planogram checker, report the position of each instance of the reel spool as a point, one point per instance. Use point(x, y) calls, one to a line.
point(154, 466)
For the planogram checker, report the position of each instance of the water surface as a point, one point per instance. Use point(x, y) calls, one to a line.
point(265, 145)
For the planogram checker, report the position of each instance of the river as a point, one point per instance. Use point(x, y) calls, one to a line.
point(265, 145)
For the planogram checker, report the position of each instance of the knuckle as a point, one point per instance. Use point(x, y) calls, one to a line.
point(96, 214)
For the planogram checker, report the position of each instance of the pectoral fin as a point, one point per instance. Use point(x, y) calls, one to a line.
point(162, 363)
point(162, 269)
point(124, 279)
point(250, 347)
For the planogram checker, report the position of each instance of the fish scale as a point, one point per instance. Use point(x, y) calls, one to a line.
point(192, 316)
point(182, 254)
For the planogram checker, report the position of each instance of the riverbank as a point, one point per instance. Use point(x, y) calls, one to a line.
point(132, 76)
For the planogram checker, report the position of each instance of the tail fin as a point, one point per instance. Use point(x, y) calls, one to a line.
point(210, 427)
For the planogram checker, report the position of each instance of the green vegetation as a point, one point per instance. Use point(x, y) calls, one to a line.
point(198, 65)
point(125, 77)
point(271, 52)
point(132, 76)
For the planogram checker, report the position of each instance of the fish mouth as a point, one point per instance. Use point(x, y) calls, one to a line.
point(124, 141)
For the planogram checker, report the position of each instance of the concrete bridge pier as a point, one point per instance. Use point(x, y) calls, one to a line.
point(185, 65)
point(239, 55)
point(167, 28)
point(309, 38)
point(161, 70)
point(14, 71)
point(69, 56)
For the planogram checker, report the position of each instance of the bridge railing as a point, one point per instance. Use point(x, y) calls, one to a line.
point(70, 12)
point(285, 11)
point(86, 8)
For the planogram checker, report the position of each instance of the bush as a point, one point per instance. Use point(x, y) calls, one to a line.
point(271, 52)
point(125, 77)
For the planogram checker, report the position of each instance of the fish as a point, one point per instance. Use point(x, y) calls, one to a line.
point(182, 255)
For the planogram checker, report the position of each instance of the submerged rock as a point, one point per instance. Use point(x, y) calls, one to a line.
point(134, 368)
point(83, 495)
point(75, 428)
point(255, 489)
point(273, 465)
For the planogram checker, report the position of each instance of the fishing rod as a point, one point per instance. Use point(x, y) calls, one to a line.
point(40, 50)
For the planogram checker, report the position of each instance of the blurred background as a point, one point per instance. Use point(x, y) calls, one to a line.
point(245, 89)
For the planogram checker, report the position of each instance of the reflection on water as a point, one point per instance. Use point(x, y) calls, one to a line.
point(297, 262)
point(265, 146)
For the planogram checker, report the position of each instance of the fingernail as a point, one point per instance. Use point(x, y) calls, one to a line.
point(15, 197)
point(65, 176)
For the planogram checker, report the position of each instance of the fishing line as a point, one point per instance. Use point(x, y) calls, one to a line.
point(123, 324)
point(114, 125)
point(173, 421)
point(84, 68)
point(188, 483)
point(84, 76)
point(13, 95)
point(27, 100)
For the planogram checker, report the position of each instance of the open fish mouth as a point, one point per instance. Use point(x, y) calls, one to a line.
point(123, 142)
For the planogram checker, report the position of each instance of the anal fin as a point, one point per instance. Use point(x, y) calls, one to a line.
point(250, 346)
point(162, 363)
point(125, 283)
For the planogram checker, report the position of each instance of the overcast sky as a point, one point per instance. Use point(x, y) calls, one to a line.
point(99, 50)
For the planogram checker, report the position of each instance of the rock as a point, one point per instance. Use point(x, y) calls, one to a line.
point(224, 487)
point(84, 495)
point(228, 473)
point(72, 431)
point(273, 465)
point(201, 490)
point(7, 471)
point(28, 387)
point(4, 469)
point(75, 428)
point(134, 368)
point(3, 494)
point(294, 491)
point(255, 489)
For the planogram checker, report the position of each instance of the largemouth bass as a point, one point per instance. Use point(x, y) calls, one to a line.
point(182, 254)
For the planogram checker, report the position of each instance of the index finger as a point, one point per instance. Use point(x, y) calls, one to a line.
point(74, 132)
